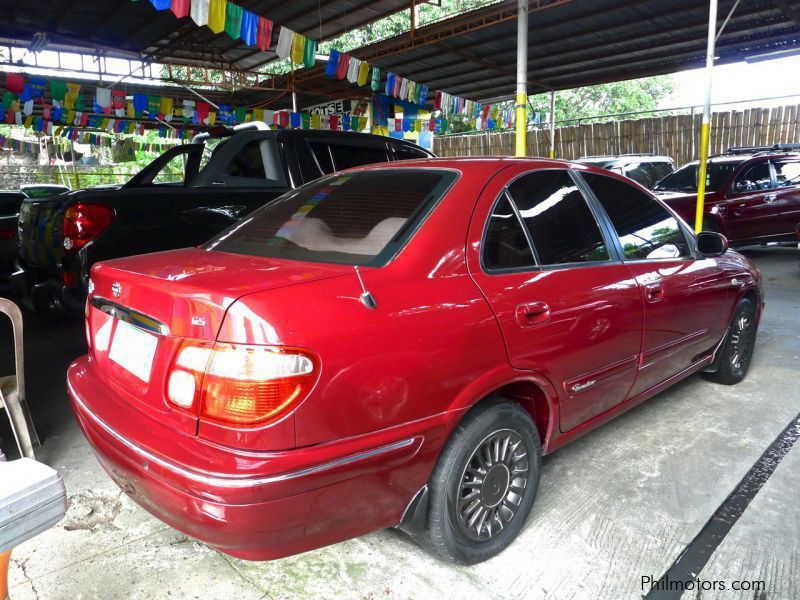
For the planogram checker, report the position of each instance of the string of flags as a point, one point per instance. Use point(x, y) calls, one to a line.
point(256, 30)
point(72, 106)
point(24, 146)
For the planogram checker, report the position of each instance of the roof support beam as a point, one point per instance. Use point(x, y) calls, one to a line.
point(591, 35)
point(656, 42)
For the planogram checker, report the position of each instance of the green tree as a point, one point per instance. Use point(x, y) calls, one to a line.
point(606, 98)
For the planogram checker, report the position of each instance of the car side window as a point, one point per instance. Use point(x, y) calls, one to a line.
point(505, 245)
point(662, 169)
point(640, 173)
point(757, 177)
point(407, 153)
point(173, 171)
point(248, 162)
point(559, 220)
point(787, 172)
point(646, 229)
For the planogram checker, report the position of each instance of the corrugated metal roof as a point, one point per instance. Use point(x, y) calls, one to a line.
point(575, 43)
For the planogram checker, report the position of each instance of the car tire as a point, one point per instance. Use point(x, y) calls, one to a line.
point(737, 349)
point(498, 438)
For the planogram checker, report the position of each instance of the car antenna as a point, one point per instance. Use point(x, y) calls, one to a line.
point(366, 298)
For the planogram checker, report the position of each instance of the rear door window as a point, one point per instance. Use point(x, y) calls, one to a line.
point(357, 218)
point(559, 220)
point(645, 228)
point(346, 156)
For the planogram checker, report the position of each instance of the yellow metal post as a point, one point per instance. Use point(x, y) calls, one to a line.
point(552, 123)
point(522, 128)
point(522, 78)
point(704, 133)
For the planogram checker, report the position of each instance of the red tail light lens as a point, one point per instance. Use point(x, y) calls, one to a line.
point(8, 234)
point(84, 222)
point(241, 384)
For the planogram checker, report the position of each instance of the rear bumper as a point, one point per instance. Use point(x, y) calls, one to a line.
point(254, 505)
point(47, 293)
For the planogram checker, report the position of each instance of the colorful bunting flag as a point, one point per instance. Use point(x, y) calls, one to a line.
point(333, 63)
point(309, 53)
point(180, 8)
point(298, 48)
point(264, 37)
point(284, 47)
point(217, 10)
point(249, 27)
point(233, 20)
point(199, 12)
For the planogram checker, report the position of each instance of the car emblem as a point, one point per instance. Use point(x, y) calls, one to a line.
point(116, 289)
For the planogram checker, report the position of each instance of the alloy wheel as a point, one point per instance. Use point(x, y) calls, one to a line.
point(492, 485)
point(742, 342)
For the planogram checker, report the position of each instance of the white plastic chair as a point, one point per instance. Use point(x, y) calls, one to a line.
point(12, 388)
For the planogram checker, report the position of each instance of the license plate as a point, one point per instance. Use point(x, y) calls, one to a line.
point(133, 350)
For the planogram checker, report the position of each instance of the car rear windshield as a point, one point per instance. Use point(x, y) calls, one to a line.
point(361, 218)
point(685, 178)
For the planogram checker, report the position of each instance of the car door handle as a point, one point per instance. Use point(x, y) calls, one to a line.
point(770, 198)
point(533, 313)
point(654, 292)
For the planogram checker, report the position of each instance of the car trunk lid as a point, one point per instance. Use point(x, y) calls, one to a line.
point(141, 308)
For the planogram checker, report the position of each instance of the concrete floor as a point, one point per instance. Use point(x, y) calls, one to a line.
point(617, 505)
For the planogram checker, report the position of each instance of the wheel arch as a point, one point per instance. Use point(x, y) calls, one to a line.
point(531, 390)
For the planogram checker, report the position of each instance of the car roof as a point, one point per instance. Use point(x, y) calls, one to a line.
point(614, 157)
point(488, 165)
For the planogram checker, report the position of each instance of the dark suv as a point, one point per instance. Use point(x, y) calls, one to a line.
point(646, 169)
point(752, 194)
point(183, 198)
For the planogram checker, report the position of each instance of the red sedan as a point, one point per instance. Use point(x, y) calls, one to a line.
point(398, 345)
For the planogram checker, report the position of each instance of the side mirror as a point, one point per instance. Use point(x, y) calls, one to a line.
point(711, 244)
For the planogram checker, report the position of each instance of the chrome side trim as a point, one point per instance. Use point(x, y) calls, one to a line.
point(132, 317)
point(224, 482)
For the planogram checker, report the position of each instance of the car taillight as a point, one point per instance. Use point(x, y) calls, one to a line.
point(8, 234)
point(84, 222)
point(240, 384)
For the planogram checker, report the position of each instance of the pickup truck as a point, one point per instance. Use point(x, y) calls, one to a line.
point(183, 198)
